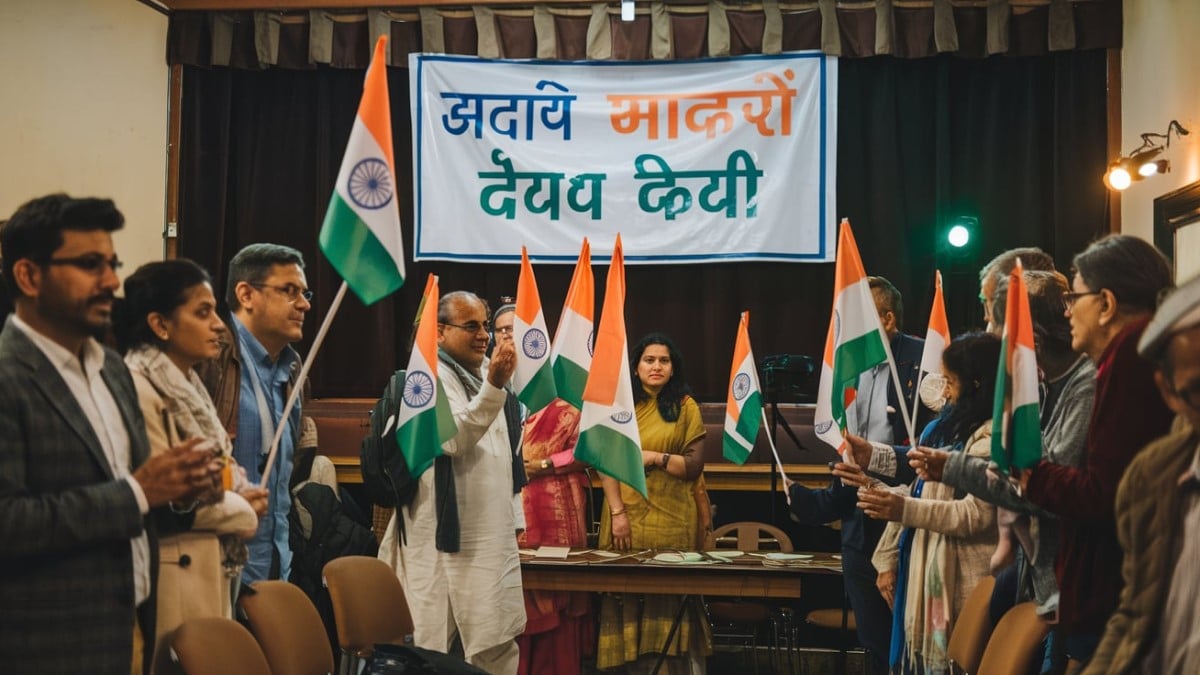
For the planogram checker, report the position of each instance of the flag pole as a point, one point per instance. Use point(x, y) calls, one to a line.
point(908, 423)
point(916, 403)
point(775, 452)
point(299, 386)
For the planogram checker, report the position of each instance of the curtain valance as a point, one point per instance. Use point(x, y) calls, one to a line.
point(661, 30)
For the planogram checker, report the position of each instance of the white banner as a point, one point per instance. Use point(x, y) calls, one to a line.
point(714, 160)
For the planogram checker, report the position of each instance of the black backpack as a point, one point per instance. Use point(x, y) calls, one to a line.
point(385, 473)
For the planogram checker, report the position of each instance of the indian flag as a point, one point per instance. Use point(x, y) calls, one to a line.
point(854, 345)
point(533, 379)
point(571, 357)
point(743, 405)
point(1016, 431)
point(608, 431)
point(361, 234)
point(938, 334)
point(424, 422)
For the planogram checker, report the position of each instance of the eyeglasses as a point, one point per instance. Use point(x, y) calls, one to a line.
point(94, 263)
point(504, 330)
point(471, 327)
point(292, 291)
point(1069, 299)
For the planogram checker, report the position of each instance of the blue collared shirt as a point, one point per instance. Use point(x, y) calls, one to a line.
point(249, 451)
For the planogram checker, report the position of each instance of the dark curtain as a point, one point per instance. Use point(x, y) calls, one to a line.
point(1017, 143)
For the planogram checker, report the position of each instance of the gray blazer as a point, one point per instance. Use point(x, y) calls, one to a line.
point(66, 569)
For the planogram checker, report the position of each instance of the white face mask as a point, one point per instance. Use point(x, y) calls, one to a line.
point(933, 391)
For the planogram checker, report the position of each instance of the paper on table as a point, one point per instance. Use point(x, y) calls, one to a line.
point(554, 552)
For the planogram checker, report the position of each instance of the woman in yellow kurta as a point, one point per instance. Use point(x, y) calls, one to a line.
point(633, 629)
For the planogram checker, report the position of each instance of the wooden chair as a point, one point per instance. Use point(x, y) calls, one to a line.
point(741, 619)
point(971, 630)
point(215, 646)
point(288, 628)
point(1015, 642)
point(368, 607)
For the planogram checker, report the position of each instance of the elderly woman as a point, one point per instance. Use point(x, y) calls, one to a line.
point(937, 546)
point(1117, 282)
point(633, 633)
point(168, 323)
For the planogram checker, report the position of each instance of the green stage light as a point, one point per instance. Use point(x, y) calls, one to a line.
point(958, 236)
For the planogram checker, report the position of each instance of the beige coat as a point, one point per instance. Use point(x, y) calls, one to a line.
point(191, 578)
point(960, 534)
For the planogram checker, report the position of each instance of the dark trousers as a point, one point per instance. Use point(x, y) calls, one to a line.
point(871, 611)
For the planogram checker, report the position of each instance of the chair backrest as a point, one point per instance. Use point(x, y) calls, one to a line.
point(1014, 642)
point(217, 646)
point(368, 603)
point(288, 628)
point(750, 536)
point(972, 628)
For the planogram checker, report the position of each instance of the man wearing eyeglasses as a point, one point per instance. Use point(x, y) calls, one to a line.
point(1158, 512)
point(459, 563)
point(251, 380)
point(77, 485)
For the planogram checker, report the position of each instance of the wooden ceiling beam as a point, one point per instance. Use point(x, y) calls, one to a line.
point(294, 5)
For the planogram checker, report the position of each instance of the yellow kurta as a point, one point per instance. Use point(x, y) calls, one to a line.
point(632, 625)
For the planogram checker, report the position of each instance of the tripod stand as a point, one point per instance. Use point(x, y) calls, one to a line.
point(783, 373)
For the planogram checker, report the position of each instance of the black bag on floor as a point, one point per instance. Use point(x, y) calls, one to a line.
point(397, 660)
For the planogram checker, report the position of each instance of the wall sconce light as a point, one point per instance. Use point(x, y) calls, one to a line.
point(1141, 162)
point(627, 10)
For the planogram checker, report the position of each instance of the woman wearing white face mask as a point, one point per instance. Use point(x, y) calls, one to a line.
point(167, 324)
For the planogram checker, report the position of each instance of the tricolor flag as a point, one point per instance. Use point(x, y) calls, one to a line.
point(533, 379)
point(572, 354)
point(424, 421)
point(854, 345)
point(608, 430)
point(743, 405)
point(938, 335)
point(936, 339)
point(361, 234)
point(1016, 430)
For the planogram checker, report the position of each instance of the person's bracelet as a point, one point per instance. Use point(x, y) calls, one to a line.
point(666, 457)
point(614, 514)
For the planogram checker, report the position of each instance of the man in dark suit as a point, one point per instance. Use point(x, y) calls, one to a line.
point(76, 486)
point(876, 416)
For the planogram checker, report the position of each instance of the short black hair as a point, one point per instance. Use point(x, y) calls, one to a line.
point(1131, 268)
point(154, 287)
point(894, 301)
point(35, 230)
point(253, 265)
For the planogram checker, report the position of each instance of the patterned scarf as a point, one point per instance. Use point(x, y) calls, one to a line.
point(191, 414)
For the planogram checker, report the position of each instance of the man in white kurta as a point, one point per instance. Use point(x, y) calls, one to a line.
point(475, 592)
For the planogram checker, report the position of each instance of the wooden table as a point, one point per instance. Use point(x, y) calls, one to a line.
point(742, 577)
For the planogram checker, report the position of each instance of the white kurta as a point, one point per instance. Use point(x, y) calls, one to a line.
point(477, 590)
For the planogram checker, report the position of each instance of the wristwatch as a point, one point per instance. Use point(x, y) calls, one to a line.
point(546, 464)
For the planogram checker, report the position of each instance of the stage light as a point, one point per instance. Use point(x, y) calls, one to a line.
point(958, 236)
point(1141, 162)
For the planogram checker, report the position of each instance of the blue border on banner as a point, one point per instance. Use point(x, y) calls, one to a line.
point(749, 256)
